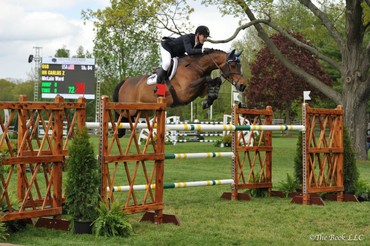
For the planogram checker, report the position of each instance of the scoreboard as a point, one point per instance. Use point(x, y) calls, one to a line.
point(70, 78)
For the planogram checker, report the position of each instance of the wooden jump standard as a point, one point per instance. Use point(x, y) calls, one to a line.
point(252, 164)
point(37, 160)
point(323, 153)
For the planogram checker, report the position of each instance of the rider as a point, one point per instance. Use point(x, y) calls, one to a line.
point(191, 44)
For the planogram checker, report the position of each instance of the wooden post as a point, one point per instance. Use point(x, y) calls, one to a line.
point(339, 141)
point(81, 114)
point(159, 164)
point(268, 143)
point(21, 187)
point(57, 169)
point(103, 146)
point(235, 159)
point(305, 155)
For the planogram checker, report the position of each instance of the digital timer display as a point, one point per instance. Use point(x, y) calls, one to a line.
point(70, 78)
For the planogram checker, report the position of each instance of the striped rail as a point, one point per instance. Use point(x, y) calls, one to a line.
point(202, 127)
point(175, 185)
point(199, 155)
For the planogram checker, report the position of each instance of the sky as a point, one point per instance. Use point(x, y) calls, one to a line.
point(52, 24)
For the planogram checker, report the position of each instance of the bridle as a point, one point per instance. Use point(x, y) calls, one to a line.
point(226, 73)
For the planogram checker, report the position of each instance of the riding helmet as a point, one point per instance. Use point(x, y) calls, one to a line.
point(202, 30)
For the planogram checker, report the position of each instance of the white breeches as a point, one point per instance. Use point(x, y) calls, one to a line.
point(166, 58)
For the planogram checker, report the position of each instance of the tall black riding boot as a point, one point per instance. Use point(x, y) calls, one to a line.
point(160, 88)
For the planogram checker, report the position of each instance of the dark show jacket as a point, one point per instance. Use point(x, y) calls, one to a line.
point(185, 43)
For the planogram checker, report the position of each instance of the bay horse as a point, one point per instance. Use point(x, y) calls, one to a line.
point(192, 79)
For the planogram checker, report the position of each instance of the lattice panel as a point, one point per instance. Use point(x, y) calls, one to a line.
point(128, 164)
point(324, 150)
point(33, 162)
point(253, 154)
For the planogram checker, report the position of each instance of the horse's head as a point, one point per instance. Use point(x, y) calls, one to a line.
point(232, 71)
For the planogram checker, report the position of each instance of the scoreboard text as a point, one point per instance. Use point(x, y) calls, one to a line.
point(70, 78)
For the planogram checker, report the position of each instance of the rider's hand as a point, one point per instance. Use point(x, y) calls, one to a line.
point(207, 51)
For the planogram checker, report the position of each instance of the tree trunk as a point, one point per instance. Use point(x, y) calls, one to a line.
point(354, 69)
point(355, 121)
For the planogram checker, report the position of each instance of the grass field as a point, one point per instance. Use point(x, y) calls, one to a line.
point(208, 220)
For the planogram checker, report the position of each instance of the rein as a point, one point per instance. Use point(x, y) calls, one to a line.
point(226, 75)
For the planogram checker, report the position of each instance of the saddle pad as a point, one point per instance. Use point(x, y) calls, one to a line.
point(152, 79)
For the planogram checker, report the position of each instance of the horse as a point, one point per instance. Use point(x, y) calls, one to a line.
point(191, 80)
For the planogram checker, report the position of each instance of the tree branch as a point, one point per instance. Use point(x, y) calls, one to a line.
point(325, 21)
point(325, 89)
point(307, 47)
point(285, 34)
point(239, 29)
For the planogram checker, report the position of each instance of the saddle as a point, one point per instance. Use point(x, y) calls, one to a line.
point(152, 79)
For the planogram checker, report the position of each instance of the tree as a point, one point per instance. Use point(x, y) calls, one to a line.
point(10, 91)
point(354, 62)
point(273, 84)
point(62, 52)
point(128, 36)
point(81, 53)
point(125, 43)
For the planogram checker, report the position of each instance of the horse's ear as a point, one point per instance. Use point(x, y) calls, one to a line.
point(231, 55)
point(238, 54)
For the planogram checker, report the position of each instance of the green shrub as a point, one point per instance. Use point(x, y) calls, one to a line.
point(259, 192)
point(111, 222)
point(82, 184)
point(4, 234)
point(362, 190)
point(298, 160)
point(288, 186)
point(350, 170)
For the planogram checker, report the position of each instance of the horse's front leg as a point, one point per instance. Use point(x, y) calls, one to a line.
point(213, 89)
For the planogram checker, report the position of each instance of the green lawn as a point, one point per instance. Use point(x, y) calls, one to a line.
point(208, 220)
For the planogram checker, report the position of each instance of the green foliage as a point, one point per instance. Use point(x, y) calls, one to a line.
point(362, 190)
point(111, 222)
point(350, 170)
point(366, 10)
point(298, 160)
point(271, 80)
point(289, 185)
point(259, 192)
point(62, 52)
point(10, 91)
point(4, 234)
point(208, 220)
point(227, 139)
point(82, 184)
point(125, 43)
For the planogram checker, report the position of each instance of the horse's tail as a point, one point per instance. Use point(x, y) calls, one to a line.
point(121, 132)
point(116, 91)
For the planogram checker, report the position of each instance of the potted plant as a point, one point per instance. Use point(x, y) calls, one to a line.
point(226, 140)
point(82, 184)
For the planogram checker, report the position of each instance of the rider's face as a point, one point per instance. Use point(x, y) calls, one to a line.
point(202, 38)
